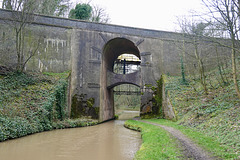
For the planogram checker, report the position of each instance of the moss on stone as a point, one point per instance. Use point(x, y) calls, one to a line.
point(148, 116)
point(148, 85)
point(82, 107)
point(75, 112)
point(96, 110)
point(90, 102)
point(157, 100)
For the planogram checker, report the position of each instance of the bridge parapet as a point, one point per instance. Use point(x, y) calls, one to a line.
point(114, 79)
point(90, 49)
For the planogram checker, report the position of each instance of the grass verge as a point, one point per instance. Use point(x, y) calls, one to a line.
point(209, 143)
point(216, 114)
point(157, 143)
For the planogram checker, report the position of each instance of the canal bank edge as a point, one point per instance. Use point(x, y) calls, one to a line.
point(209, 144)
point(157, 143)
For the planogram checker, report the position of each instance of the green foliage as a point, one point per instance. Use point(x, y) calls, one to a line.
point(81, 11)
point(157, 100)
point(215, 114)
point(124, 101)
point(61, 94)
point(127, 102)
point(148, 85)
point(207, 142)
point(34, 103)
point(75, 112)
point(14, 127)
point(73, 123)
point(11, 85)
point(90, 102)
point(157, 143)
point(116, 116)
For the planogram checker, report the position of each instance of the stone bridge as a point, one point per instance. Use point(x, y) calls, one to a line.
point(89, 50)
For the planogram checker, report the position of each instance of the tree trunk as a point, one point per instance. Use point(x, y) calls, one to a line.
point(219, 66)
point(234, 69)
point(203, 77)
point(18, 51)
point(201, 69)
point(182, 65)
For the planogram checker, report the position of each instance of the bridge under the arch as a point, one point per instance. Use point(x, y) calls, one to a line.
point(111, 50)
point(93, 79)
point(88, 50)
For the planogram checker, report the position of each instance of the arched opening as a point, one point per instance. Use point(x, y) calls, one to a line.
point(116, 47)
point(113, 51)
point(126, 64)
point(127, 101)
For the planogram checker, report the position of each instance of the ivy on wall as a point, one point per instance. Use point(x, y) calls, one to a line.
point(34, 103)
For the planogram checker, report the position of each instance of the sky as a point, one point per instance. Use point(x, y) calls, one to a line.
point(149, 14)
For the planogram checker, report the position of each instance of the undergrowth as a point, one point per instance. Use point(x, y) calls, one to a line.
point(216, 114)
point(31, 103)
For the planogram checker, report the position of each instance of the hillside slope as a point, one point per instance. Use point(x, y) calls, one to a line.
point(216, 114)
point(31, 103)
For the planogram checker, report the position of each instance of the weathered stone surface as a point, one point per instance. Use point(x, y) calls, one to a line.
point(168, 109)
point(89, 50)
point(114, 79)
point(83, 108)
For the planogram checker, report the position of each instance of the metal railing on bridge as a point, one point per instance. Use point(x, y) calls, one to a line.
point(127, 92)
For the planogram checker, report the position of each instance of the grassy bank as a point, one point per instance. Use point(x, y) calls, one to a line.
point(216, 114)
point(207, 142)
point(157, 143)
point(31, 103)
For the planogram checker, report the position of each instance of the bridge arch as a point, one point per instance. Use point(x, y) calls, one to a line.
point(108, 80)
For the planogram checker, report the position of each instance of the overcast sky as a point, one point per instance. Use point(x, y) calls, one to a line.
point(149, 14)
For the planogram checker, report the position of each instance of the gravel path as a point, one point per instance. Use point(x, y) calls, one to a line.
point(190, 149)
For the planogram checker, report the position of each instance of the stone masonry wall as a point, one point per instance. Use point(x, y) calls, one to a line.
point(65, 44)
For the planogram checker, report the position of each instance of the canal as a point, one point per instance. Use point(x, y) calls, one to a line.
point(106, 141)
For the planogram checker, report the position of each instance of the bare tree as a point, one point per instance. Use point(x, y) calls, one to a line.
point(46, 7)
point(99, 15)
point(22, 14)
point(195, 31)
point(54, 7)
point(226, 13)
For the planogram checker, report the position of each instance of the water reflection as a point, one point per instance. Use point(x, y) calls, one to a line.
point(125, 114)
point(107, 141)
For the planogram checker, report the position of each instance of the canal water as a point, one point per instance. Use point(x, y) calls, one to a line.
point(107, 141)
point(124, 114)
